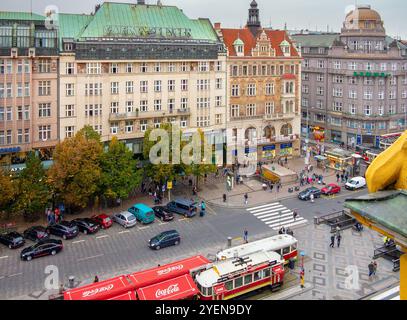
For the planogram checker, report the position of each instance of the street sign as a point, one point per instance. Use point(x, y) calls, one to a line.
point(169, 185)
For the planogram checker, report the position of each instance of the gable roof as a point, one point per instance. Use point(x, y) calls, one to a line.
point(276, 38)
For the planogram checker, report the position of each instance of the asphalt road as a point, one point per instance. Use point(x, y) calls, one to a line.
point(117, 251)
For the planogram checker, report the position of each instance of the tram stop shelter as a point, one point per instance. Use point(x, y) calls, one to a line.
point(338, 159)
point(276, 173)
point(385, 212)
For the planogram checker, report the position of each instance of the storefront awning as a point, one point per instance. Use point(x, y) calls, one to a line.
point(128, 296)
point(100, 291)
point(175, 289)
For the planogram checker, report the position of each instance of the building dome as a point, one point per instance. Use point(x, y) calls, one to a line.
point(363, 18)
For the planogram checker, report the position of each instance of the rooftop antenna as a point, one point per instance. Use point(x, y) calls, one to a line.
point(31, 8)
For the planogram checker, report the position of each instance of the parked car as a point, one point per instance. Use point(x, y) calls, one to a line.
point(13, 240)
point(165, 239)
point(36, 233)
point(356, 183)
point(331, 189)
point(65, 230)
point(306, 194)
point(163, 213)
point(125, 219)
point(42, 248)
point(86, 225)
point(103, 220)
point(185, 207)
point(143, 213)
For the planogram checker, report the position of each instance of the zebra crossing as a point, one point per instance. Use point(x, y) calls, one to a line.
point(276, 215)
point(391, 294)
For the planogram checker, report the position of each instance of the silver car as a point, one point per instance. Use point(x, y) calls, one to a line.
point(125, 219)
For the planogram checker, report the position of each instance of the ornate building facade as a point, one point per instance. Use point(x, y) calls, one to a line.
point(354, 84)
point(264, 71)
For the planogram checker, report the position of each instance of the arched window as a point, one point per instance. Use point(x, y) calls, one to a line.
point(251, 134)
point(269, 132)
point(286, 130)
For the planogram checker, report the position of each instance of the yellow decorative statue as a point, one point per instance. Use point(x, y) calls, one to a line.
point(389, 169)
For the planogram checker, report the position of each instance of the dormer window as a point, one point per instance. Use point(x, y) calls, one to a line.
point(239, 47)
point(285, 48)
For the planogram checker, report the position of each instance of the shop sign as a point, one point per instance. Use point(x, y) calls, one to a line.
point(10, 150)
point(269, 148)
point(146, 32)
point(286, 146)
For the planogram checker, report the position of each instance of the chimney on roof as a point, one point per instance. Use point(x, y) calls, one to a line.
point(217, 25)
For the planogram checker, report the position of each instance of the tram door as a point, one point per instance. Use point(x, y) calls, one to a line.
point(219, 292)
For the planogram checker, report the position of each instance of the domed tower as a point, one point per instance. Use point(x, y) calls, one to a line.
point(363, 30)
point(254, 18)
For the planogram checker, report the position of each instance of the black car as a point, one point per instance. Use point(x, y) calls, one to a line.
point(65, 229)
point(165, 239)
point(87, 225)
point(13, 240)
point(36, 233)
point(163, 213)
point(306, 194)
point(48, 247)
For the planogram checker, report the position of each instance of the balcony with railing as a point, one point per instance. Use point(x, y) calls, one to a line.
point(280, 116)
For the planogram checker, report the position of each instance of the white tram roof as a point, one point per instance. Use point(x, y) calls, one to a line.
point(221, 269)
point(268, 244)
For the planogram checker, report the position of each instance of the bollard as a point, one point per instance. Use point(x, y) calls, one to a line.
point(229, 242)
point(71, 282)
point(316, 220)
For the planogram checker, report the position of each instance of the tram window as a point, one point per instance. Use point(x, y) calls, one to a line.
point(204, 291)
point(257, 276)
point(209, 292)
point(238, 282)
point(199, 288)
point(286, 250)
point(279, 252)
point(248, 279)
point(229, 285)
point(266, 273)
point(293, 247)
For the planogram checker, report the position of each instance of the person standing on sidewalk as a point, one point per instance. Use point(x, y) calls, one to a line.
point(337, 177)
point(374, 268)
point(246, 236)
point(339, 238)
point(332, 241)
point(246, 198)
point(371, 269)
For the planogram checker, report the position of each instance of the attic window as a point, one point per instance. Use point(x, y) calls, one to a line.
point(68, 46)
point(239, 49)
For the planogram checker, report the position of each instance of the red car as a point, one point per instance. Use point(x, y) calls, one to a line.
point(103, 220)
point(330, 189)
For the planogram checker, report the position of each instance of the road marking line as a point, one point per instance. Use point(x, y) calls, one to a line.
point(143, 228)
point(183, 219)
point(276, 217)
point(270, 204)
point(290, 224)
point(279, 207)
point(238, 238)
point(101, 237)
point(14, 275)
point(79, 241)
point(5, 257)
point(88, 258)
point(2, 278)
point(273, 214)
point(282, 221)
point(125, 231)
point(269, 211)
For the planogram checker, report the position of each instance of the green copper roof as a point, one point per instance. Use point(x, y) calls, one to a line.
point(387, 208)
point(238, 42)
point(152, 16)
point(72, 25)
point(22, 16)
point(315, 40)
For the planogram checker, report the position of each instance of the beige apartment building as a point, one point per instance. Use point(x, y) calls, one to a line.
point(122, 76)
point(28, 86)
point(264, 96)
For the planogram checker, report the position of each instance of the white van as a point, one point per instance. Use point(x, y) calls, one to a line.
point(356, 183)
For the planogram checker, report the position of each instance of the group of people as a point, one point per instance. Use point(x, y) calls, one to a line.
point(53, 216)
point(306, 179)
point(372, 268)
point(343, 177)
point(337, 235)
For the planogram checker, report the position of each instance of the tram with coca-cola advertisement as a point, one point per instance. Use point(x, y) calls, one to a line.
point(230, 278)
point(283, 244)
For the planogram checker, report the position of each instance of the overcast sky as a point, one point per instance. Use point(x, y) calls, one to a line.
point(298, 14)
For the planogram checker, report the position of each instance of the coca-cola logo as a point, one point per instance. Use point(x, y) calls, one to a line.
point(170, 269)
point(93, 292)
point(165, 292)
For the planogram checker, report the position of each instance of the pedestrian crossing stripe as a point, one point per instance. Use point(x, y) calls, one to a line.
point(275, 215)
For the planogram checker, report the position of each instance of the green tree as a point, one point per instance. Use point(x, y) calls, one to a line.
point(76, 172)
point(119, 171)
point(7, 193)
point(32, 190)
point(205, 166)
point(162, 172)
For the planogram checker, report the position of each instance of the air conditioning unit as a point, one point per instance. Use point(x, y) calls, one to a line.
point(14, 52)
point(31, 52)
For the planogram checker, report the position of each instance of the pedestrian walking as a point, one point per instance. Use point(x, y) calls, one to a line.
point(246, 198)
point(338, 231)
point(339, 238)
point(57, 216)
point(312, 197)
point(96, 279)
point(374, 268)
point(332, 241)
point(271, 186)
point(203, 208)
point(337, 177)
point(246, 236)
point(295, 214)
point(224, 197)
point(342, 177)
point(371, 268)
